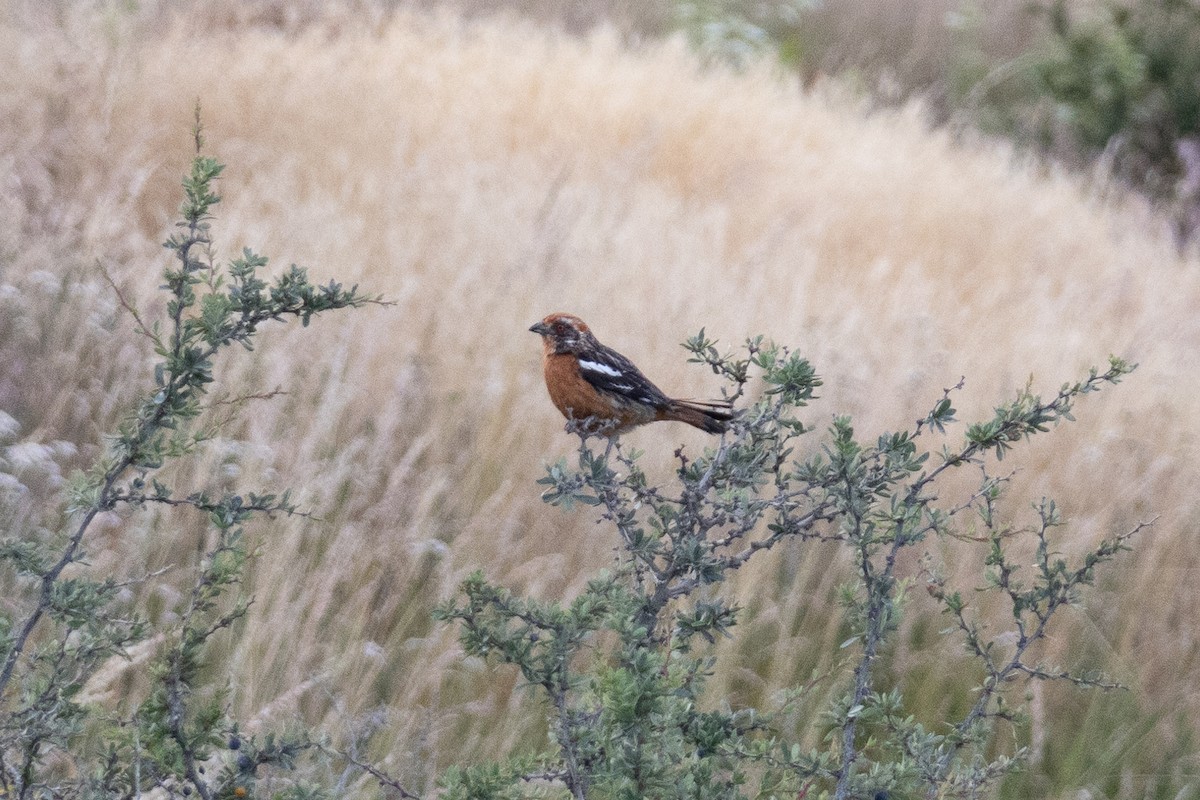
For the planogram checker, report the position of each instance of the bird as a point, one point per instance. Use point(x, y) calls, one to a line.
point(595, 385)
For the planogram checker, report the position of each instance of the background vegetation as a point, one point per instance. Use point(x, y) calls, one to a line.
point(483, 172)
point(1106, 85)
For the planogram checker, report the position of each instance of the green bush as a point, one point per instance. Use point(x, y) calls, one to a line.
point(65, 621)
point(1125, 82)
point(621, 669)
point(736, 32)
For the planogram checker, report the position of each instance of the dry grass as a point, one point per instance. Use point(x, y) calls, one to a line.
point(483, 174)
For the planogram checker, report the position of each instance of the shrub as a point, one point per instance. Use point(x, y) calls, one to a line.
point(737, 32)
point(65, 622)
point(1123, 83)
point(1129, 74)
point(621, 668)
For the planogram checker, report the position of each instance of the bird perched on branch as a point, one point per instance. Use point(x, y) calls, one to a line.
point(596, 385)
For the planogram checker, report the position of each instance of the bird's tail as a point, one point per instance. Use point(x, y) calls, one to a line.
point(712, 417)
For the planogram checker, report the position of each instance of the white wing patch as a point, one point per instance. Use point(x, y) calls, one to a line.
point(596, 366)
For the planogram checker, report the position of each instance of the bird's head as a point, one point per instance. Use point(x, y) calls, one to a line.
point(563, 333)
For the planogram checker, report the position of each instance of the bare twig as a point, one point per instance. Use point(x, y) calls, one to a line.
point(375, 772)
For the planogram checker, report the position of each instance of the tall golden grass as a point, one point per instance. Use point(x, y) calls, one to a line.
point(484, 173)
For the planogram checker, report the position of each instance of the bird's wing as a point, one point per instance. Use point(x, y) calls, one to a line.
point(615, 375)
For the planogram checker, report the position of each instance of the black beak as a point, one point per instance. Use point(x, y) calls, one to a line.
point(540, 328)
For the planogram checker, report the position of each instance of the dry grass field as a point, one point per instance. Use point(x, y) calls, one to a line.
point(483, 173)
